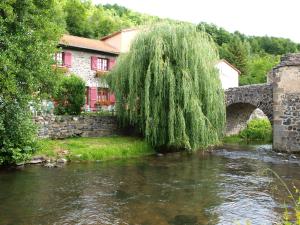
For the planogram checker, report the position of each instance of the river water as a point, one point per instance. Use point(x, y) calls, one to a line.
point(227, 186)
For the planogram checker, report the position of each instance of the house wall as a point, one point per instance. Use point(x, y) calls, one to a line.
point(115, 41)
point(228, 76)
point(81, 66)
point(123, 40)
point(127, 39)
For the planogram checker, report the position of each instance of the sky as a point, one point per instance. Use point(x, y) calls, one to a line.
point(279, 18)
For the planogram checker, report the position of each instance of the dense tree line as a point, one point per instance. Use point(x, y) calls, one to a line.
point(253, 56)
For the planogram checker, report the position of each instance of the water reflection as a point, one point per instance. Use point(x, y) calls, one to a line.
point(222, 187)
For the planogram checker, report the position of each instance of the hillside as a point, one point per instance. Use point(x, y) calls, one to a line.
point(254, 56)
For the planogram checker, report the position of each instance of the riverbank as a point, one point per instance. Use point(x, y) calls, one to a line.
point(94, 149)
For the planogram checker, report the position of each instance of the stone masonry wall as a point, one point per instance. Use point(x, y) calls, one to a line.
point(59, 127)
point(286, 95)
point(258, 95)
point(81, 66)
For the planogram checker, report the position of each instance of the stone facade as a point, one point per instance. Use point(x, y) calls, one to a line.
point(286, 94)
point(81, 66)
point(59, 127)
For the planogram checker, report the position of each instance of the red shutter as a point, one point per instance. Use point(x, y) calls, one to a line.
point(93, 98)
point(67, 59)
point(112, 98)
point(111, 63)
point(94, 63)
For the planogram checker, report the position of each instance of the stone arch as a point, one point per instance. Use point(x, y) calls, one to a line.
point(237, 115)
point(242, 101)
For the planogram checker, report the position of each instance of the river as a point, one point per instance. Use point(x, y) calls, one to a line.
point(227, 186)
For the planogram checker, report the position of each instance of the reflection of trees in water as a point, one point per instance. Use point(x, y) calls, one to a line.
point(168, 187)
point(202, 187)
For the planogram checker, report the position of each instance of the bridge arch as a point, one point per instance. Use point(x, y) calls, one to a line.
point(242, 101)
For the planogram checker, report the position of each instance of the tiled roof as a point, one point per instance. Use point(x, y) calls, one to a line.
point(87, 43)
point(118, 32)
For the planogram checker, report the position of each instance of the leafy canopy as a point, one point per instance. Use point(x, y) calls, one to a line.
point(28, 37)
point(167, 86)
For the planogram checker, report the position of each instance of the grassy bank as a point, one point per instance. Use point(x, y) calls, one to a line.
point(92, 149)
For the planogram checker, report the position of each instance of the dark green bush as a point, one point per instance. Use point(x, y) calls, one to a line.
point(70, 96)
point(258, 130)
point(17, 133)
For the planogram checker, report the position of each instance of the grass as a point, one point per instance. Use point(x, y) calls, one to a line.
point(92, 149)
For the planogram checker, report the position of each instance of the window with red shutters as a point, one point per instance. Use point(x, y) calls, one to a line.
point(102, 64)
point(59, 58)
point(63, 59)
point(103, 94)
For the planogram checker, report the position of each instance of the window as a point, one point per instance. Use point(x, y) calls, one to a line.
point(103, 94)
point(59, 58)
point(102, 64)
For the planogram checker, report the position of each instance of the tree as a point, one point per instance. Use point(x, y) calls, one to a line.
point(70, 96)
point(258, 67)
point(167, 87)
point(28, 37)
point(237, 53)
point(77, 15)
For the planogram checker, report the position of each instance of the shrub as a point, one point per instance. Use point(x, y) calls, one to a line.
point(70, 96)
point(258, 130)
point(17, 133)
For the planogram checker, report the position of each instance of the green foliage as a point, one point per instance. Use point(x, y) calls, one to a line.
point(17, 133)
point(237, 53)
point(95, 21)
point(258, 66)
point(92, 149)
point(258, 130)
point(167, 87)
point(70, 96)
point(253, 56)
point(28, 38)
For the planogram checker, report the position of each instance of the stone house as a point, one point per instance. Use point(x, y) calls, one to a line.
point(89, 59)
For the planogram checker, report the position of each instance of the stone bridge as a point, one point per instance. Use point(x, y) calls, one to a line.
point(279, 100)
point(242, 101)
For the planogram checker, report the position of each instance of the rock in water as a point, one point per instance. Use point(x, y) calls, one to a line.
point(62, 160)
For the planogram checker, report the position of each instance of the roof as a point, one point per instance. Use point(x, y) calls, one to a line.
point(118, 32)
point(87, 43)
point(232, 66)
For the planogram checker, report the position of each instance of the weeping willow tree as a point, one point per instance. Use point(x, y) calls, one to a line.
point(167, 87)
